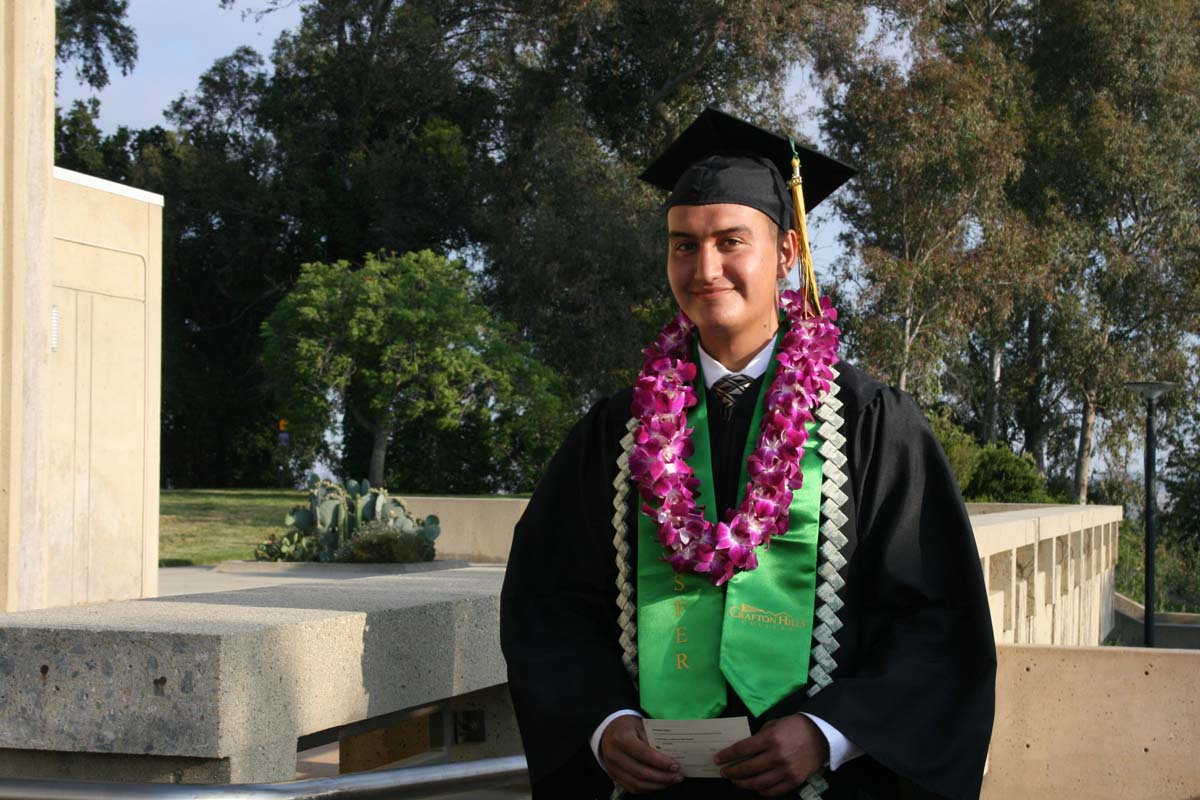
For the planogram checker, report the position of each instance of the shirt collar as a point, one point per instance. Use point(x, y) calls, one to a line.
point(714, 370)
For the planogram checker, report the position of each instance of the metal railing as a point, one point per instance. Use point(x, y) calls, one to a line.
point(407, 782)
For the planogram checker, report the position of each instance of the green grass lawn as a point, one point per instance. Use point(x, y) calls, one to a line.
point(204, 526)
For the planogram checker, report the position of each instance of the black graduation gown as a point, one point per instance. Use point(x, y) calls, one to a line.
point(914, 684)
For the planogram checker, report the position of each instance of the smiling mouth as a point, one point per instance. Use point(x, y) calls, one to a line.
point(710, 291)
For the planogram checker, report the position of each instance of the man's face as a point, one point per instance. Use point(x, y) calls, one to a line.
point(724, 263)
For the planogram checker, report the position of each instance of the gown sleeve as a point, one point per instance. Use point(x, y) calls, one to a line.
point(558, 619)
point(919, 695)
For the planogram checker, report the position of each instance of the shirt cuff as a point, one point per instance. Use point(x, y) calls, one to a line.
point(841, 749)
point(599, 733)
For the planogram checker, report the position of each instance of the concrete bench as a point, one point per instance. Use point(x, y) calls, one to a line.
point(220, 687)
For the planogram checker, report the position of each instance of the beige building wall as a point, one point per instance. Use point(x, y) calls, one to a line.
point(80, 287)
point(104, 389)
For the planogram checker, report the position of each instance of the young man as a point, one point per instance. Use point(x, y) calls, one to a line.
point(755, 529)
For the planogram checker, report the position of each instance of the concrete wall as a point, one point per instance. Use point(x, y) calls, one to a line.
point(1050, 572)
point(218, 687)
point(80, 267)
point(473, 528)
point(26, 160)
point(1049, 569)
point(1171, 630)
point(1096, 723)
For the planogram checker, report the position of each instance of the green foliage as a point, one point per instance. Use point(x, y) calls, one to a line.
point(371, 506)
point(959, 446)
point(79, 145)
point(1002, 476)
point(292, 545)
point(90, 32)
point(593, 92)
point(1176, 570)
point(1022, 232)
point(1182, 480)
point(937, 140)
point(319, 528)
point(1116, 489)
point(379, 543)
point(406, 349)
point(337, 514)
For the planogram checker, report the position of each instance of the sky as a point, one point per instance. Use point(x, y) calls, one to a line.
point(177, 41)
point(170, 64)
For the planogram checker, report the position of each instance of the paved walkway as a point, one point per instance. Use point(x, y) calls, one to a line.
point(319, 762)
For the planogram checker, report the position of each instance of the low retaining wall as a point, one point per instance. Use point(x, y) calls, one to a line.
point(473, 528)
point(1171, 629)
point(1100, 723)
point(219, 687)
point(1049, 569)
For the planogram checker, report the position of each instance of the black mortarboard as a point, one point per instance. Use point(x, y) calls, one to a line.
point(721, 159)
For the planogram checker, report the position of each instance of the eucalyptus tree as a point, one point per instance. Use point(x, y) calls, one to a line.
point(1117, 90)
point(937, 141)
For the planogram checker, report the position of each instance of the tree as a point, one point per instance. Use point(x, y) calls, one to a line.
point(92, 31)
point(589, 94)
point(79, 145)
point(937, 143)
point(1182, 479)
point(960, 448)
point(1118, 115)
point(409, 333)
point(230, 250)
point(360, 139)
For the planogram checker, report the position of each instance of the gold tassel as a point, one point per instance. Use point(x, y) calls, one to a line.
point(808, 274)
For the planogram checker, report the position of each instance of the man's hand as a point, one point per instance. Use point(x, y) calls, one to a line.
point(630, 760)
point(777, 759)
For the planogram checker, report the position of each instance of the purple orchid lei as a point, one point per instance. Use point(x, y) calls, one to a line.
point(661, 397)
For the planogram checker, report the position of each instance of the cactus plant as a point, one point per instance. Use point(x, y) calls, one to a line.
point(336, 514)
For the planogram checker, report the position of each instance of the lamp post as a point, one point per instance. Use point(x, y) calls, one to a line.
point(1150, 391)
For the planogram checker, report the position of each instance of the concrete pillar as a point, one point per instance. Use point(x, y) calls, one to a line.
point(26, 165)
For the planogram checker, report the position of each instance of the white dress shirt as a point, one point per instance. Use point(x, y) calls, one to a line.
point(841, 749)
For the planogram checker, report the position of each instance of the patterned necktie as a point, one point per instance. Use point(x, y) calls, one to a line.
point(728, 390)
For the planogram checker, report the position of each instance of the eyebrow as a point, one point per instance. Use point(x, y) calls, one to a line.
point(723, 232)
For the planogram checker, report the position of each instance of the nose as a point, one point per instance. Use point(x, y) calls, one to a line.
point(708, 264)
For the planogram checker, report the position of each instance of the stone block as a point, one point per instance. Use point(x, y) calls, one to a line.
point(241, 675)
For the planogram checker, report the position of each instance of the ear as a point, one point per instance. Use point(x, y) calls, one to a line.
point(789, 249)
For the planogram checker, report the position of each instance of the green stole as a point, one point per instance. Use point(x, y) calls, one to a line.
point(756, 630)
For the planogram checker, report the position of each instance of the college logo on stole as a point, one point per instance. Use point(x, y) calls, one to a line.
point(756, 631)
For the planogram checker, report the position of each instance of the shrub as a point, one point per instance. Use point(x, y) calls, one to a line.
point(1002, 476)
point(335, 518)
point(377, 543)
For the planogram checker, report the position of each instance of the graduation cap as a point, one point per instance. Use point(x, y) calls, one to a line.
point(722, 159)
